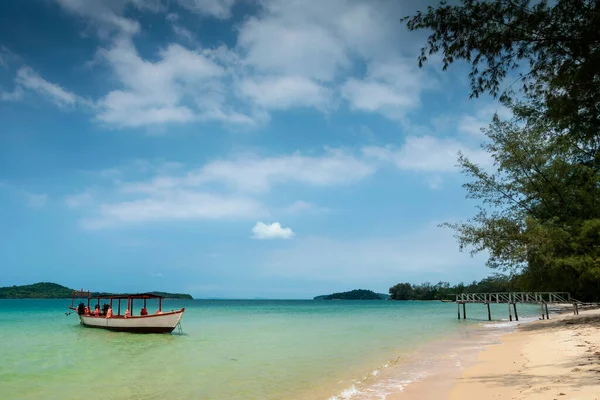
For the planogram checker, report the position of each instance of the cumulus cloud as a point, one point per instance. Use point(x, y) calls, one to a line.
point(154, 92)
point(289, 54)
point(427, 154)
point(390, 89)
point(214, 8)
point(283, 92)
point(105, 16)
point(271, 231)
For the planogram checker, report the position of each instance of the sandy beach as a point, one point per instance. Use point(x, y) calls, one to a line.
point(547, 359)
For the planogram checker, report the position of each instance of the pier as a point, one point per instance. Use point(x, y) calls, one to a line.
point(514, 298)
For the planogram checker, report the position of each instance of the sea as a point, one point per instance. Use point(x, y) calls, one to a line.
point(241, 349)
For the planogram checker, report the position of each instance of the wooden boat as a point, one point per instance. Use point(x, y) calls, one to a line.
point(159, 322)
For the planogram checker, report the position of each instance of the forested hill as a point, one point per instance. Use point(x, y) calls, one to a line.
point(357, 294)
point(49, 290)
point(41, 290)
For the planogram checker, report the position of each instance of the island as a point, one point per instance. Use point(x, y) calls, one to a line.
point(356, 294)
point(49, 290)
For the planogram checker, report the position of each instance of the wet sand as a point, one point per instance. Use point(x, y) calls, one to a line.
point(550, 359)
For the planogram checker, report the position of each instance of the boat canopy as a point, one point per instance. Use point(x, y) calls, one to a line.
point(88, 294)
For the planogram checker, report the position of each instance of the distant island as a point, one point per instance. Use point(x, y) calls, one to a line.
point(356, 294)
point(49, 290)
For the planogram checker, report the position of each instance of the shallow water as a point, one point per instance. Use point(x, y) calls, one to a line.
point(239, 349)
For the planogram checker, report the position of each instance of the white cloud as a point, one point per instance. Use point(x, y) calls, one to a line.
point(182, 86)
point(222, 189)
point(6, 57)
point(276, 45)
point(290, 54)
point(427, 154)
point(214, 8)
point(105, 16)
point(391, 89)
point(283, 92)
point(16, 95)
point(28, 79)
point(184, 33)
point(36, 200)
point(271, 231)
point(253, 174)
point(175, 205)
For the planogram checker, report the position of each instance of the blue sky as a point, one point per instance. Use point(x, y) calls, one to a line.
point(229, 148)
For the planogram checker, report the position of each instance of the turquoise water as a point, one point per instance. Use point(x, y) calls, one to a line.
point(261, 349)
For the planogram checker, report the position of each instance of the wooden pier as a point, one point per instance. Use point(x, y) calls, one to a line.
point(513, 298)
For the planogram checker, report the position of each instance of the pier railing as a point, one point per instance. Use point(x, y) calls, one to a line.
point(512, 298)
point(515, 297)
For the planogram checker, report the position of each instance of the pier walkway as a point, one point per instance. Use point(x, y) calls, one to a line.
point(512, 298)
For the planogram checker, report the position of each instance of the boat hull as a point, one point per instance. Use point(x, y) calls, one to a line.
point(155, 323)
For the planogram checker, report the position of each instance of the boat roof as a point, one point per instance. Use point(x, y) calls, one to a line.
point(78, 293)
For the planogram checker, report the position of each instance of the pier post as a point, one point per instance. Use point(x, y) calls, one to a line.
point(509, 312)
point(516, 315)
point(575, 309)
point(489, 312)
point(458, 308)
point(543, 316)
point(464, 310)
point(547, 316)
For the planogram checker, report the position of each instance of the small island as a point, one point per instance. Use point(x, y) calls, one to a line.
point(49, 290)
point(356, 294)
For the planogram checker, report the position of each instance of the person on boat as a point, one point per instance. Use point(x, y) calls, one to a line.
point(97, 310)
point(86, 310)
point(109, 312)
point(144, 311)
point(127, 313)
point(158, 312)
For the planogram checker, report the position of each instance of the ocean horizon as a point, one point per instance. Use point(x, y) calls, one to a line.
point(229, 349)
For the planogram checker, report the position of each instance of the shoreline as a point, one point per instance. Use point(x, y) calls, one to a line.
point(430, 368)
point(542, 359)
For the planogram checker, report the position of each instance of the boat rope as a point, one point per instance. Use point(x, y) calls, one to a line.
point(179, 328)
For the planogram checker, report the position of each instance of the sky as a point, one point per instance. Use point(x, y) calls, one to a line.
point(230, 148)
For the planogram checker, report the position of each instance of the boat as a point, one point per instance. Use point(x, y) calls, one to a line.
point(110, 316)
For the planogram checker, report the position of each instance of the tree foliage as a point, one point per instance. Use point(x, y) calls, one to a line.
point(552, 47)
point(427, 291)
point(41, 290)
point(539, 210)
point(356, 294)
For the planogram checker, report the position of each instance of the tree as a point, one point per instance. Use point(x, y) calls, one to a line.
point(539, 211)
point(401, 291)
point(540, 202)
point(553, 47)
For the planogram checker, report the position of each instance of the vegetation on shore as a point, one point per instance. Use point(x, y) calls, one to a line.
point(48, 290)
point(356, 294)
point(539, 200)
point(443, 290)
